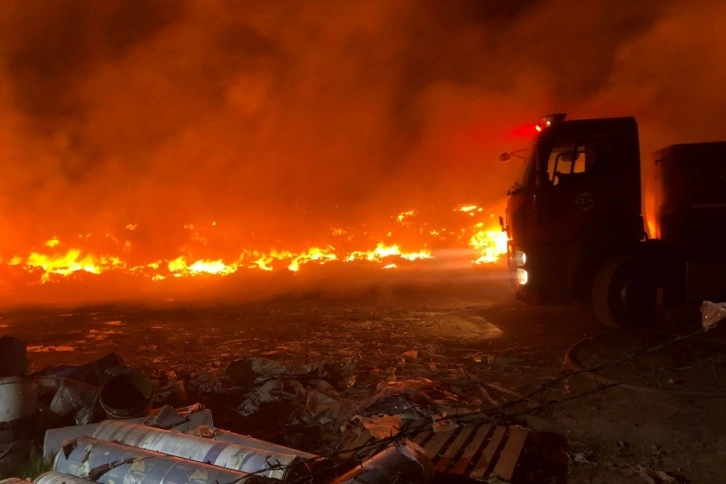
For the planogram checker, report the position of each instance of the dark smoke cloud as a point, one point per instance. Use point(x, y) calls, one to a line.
point(281, 119)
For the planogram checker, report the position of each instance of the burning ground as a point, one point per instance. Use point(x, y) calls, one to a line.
point(134, 134)
point(99, 261)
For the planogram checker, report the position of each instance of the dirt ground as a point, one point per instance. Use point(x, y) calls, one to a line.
point(469, 336)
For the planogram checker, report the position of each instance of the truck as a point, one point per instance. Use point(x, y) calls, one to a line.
point(577, 232)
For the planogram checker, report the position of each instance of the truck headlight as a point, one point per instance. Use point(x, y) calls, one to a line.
point(522, 276)
point(520, 258)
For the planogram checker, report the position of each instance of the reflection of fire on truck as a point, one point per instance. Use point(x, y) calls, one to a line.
point(576, 230)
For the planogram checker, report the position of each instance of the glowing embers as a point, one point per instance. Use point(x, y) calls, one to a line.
point(471, 209)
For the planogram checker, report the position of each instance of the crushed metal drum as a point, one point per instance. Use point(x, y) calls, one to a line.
point(264, 462)
point(110, 463)
point(193, 417)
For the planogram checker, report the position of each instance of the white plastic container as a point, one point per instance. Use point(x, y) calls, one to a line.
point(18, 398)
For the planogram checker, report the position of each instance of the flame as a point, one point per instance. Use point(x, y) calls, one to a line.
point(404, 215)
point(487, 243)
point(312, 255)
point(383, 251)
point(179, 267)
point(490, 244)
point(470, 209)
point(66, 264)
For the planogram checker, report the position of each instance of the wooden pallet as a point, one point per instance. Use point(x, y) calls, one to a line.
point(474, 451)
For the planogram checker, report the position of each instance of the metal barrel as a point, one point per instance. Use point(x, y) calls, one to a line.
point(18, 398)
point(401, 462)
point(109, 463)
point(264, 462)
point(127, 395)
point(18, 408)
point(54, 438)
point(58, 478)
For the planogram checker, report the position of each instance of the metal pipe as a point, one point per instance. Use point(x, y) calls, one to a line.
point(108, 463)
point(273, 464)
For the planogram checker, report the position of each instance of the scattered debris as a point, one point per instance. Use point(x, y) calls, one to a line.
point(92, 373)
point(653, 476)
point(100, 424)
point(400, 462)
point(74, 401)
point(579, 455)
point(409, 399)
point(382, 427)
point(712, 313)
point(472, 451)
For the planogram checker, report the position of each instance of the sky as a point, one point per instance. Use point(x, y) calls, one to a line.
point(280, 120)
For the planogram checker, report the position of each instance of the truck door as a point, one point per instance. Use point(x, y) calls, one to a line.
point(574, 171)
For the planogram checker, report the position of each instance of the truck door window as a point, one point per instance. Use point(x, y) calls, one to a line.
point(575, 161)
point(566, 161)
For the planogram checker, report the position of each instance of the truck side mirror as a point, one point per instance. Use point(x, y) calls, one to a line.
point(507, 155)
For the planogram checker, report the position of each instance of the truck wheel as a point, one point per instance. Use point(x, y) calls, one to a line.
point(624, 293)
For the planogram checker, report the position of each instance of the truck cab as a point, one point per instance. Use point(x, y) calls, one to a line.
point(577, 200)
point(576, 231)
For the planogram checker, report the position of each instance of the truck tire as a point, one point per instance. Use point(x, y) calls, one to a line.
point(624, 293)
